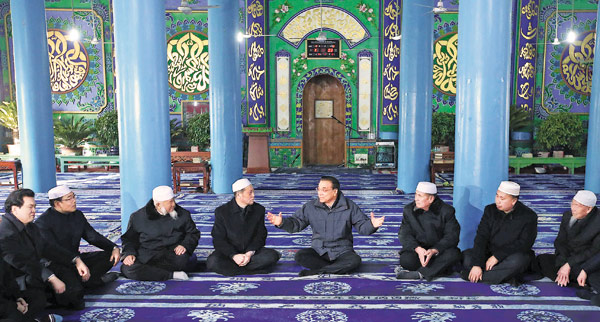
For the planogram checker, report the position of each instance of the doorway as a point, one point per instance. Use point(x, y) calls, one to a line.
point(323, 139)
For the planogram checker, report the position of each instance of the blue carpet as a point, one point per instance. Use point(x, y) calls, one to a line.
point(371, 294)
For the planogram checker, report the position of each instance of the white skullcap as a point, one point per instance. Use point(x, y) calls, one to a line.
point(427, 187)
point(509, 187)
point(240, 184)
point(58, 192)
point(586, 198)
point(162, 193)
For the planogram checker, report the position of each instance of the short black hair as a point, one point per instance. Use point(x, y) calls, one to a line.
point(53, 201)
point(335, 184)
point(15, 198)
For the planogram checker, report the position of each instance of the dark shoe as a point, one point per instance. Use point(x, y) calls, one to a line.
point(514, 282)
point(109, 277)
point(408, 275)
point(595, 300)
point(585, 294)
point(308, 272)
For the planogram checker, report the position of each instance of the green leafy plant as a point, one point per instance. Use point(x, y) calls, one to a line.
point(197, 130)
point(107, 128)
point(9, 117)
point(442, 129)
point(561, 130)
point(519, 119)
point(176, 129)
point(72, 131)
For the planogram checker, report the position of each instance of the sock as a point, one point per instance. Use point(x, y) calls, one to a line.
point(180, 275)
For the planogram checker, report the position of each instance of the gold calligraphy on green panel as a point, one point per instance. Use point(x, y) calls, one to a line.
point(445, 51)
point(576, 63)
point(69, 63)
point(187, 62)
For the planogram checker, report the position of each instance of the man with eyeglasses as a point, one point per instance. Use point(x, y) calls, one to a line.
point(331, 216)
point(63, 224)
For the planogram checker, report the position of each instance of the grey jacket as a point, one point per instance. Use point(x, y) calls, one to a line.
point(332, 228)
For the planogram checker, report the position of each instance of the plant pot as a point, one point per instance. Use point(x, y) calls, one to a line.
point(558, 154)
point(173, 149)
point(14, 149)
point(543, 154)
point(70, 151)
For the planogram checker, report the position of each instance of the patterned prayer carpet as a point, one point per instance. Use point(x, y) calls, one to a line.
point(371, 294)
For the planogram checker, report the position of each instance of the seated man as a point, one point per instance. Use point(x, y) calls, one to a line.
point(331, 217)
point(429, 235)
point(578, 239)
point(35, 261)
point(160, 240)
point(502, 247)
point(64, 225)
point(590, 273)
point(239, 235)
point(14, 304)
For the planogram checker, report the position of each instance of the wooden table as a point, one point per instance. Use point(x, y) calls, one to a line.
point(571, 163)
point(440, 162)
point(65, 160)
point(182, 167)
point(15, 167)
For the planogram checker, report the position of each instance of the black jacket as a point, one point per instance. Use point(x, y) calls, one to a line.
point(500, 234)
point(436, 228)
point(592, 264)
point(236, 233)
point(9, 290)
point(577, 244)
point(23, 248)
point(149, 233)
point(67, 230)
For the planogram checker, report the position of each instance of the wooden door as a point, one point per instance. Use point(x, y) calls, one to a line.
point(323, 140)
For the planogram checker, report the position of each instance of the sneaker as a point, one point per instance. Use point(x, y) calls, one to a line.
point(180, 275)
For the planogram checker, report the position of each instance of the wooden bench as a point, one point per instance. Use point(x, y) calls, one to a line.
point(440, 162)
point(66, 160)
point(15, 167)
point(571, 163)
point(183, 167)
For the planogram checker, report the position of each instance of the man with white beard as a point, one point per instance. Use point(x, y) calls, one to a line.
point(160, 240)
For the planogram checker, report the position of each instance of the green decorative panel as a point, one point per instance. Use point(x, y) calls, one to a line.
point(360, 153)
point(285, 153)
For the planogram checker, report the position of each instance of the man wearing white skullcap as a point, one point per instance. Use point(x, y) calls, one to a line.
point(65, 225)
point(502, 248)
point(239, 235)
point(429, 236)
point(577, 241)
point(160, 240)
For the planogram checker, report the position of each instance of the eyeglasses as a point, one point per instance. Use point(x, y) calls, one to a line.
point(71, 198)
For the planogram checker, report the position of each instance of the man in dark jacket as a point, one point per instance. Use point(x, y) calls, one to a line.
point(578, 239)
point(429, 235)
point(502, 247)
point(64, 225)
point(239, 235)
point(331, 217)
point(34, 261)
point(160, 240)
point(14, 303)
point(590, 274)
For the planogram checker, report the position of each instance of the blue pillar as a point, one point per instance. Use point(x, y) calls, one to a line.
point(32, 83)
point(592, 164)
point(416, 82)
point(225, 114)
point(482, 101)
point(142, 101)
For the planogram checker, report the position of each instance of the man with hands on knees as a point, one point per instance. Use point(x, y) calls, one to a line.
point(502, 247)
point(34, 261)
point(239, 235)
point(429, 236)
point(160, 240)
point(590, 274)
point(331, 216)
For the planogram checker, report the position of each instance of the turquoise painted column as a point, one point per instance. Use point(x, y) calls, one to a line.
point(416, 82)
point(32, 84)
point(142, 102)
point(482, 100)
point(225, 114)
point(592, 163)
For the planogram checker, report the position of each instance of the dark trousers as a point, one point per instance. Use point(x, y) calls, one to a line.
point(263, 259)
point(510, 267)
point(99, 263)
point(594, 280)
point(36, 301)
point(72, 297)
point(546, 265)
point(344, 263)
point(443, 261)
point(159, 268)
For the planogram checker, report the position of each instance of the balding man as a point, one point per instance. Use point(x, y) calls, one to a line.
point(160, 240)
point(502, 247)
point(429, 236)
point(577, 241)
point(239, 235)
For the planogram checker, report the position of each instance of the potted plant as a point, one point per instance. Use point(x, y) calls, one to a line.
point(560, 131)
point(197, 131)
point(107, 131)
point(9, 118)
point(442, 131)
point(176, 131)
point(519, 121)
point(71, 132)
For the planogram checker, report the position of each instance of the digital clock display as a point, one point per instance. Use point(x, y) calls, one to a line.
point(329, 48)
